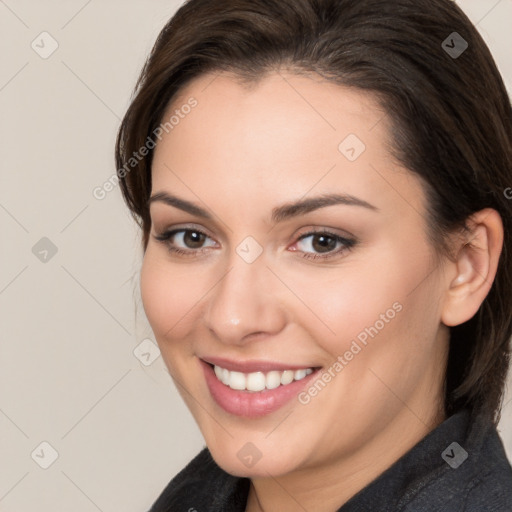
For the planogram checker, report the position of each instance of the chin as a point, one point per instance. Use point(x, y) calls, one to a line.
point(250, 462)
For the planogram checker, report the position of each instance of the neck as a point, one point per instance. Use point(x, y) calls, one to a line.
point(337, 482)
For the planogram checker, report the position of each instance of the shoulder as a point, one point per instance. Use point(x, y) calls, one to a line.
point(477, 476)
point(491, 486)
point(173, 497)
point(201, 485)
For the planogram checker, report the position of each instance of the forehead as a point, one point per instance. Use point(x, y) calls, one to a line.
point(281, 137)
point(295, 106)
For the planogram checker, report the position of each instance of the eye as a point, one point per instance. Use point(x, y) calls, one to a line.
point(322, 245)
point(190, 242)
point(186, 242)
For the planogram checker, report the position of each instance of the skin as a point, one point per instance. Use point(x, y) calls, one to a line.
point(241, 152)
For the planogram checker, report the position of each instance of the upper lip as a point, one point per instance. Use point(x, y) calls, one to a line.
point(253, 365)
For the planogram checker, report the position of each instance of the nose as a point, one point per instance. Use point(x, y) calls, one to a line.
point(244, 304)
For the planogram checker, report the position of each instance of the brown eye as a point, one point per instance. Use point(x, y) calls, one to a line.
point(193, 239)
point(323, 243)
point(186, 242)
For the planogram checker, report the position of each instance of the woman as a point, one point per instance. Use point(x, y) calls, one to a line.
point(321, 187)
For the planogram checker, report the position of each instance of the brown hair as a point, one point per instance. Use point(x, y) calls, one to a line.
point(450, 114)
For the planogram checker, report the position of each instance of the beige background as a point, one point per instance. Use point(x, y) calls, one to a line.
point(69, 325)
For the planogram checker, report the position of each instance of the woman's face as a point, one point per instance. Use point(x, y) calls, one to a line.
point(297, 244)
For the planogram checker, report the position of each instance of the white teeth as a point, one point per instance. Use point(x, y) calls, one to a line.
point(299, 374)
point(273, 380)
point(257, 381)
point(287, 377)
point(237, 380)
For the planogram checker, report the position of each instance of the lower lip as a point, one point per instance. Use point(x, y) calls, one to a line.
point(252, 404)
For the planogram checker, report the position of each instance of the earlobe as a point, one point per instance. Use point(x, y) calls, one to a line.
point(476, 265)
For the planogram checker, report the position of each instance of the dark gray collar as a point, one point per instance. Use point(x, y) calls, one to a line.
point(439, 473)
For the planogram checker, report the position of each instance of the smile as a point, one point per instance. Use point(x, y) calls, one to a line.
point(258, 381)
point(254, 393)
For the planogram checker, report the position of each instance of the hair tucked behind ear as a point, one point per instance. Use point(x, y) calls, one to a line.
point(451, 122)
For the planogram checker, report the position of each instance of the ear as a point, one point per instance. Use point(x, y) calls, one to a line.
point(474, 270)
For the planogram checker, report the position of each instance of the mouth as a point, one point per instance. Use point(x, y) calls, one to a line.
point(257, 392)
point(258, 381)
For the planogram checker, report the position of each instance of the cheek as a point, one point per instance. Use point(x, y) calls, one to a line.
point(337, 304)
point(375, 298)
point(169, 297)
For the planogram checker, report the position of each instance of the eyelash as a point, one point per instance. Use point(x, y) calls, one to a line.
point(165, 238)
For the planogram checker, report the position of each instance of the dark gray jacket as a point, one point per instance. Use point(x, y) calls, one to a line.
point(460, 466)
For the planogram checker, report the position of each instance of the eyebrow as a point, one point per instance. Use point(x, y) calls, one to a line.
point(279, 214)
